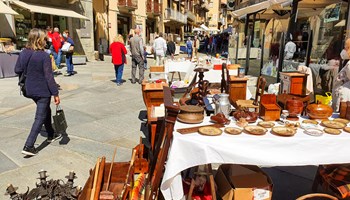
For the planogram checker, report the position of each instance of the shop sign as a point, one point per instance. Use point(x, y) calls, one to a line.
point(332, 13)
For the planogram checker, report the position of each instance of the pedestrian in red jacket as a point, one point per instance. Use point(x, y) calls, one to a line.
point(118, 52)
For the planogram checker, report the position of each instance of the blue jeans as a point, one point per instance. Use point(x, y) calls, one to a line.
point(118, 73)
point(69, 63)
point(42, 117)
point(57, 56)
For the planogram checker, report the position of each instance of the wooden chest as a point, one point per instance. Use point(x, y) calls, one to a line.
point(237, 89)
point(269, 109)
point(293, 83)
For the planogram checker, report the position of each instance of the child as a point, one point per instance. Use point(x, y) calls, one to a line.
point(145, 53)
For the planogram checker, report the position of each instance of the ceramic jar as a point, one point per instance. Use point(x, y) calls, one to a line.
point(191, 114)
point(294, 106)
point(319, 111)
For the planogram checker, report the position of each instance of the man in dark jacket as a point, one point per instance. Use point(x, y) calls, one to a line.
point(170, 48)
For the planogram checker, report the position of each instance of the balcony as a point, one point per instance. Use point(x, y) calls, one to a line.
point(191, 16)
point(153, 7)
point(173, 15)
point(128, 4)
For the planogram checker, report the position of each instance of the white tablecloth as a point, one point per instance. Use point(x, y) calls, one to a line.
point(178, 66)
point(267, 150)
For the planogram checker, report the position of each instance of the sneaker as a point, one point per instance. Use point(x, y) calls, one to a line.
point(68, 74)
point(56, 137)
point(29, 151)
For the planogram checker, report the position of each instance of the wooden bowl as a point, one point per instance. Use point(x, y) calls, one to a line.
point(319, 111)
point(191, 114)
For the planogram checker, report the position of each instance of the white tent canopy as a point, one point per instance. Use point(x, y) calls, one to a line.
point(258, 7)
point(4, 9)
point(49, 10)
point(204, 27)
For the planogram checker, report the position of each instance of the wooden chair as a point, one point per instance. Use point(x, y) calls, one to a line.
point(158, 72)
point(260, 88)
point(160, 153)
point(334, 178)
point(317, 196)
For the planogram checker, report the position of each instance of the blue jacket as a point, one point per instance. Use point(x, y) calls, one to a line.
point(40, 81)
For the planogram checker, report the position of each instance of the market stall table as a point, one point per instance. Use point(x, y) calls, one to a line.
point(7, 64)
point(268, 150)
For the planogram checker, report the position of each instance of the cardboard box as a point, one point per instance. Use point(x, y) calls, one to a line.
point(243, 182)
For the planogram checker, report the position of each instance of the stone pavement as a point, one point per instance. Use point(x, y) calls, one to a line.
point(100, 116)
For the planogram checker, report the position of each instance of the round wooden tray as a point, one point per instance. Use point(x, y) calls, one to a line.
point(266, 124)
point(210, 131)
point(233, 130)
point(341, 120)
point(333, 124)
point(255, 130)
point(310, 121)
point(332, 131)
point(283, 131)
point(347, 129)
point(190, 121)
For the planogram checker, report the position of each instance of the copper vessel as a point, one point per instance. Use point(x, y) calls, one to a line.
point(191, 114)
point(319, 111)
point(295, 107)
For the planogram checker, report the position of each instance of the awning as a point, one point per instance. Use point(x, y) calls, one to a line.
point(204, 27)
point(49, 10)
point(4, 9)
point(252, 8)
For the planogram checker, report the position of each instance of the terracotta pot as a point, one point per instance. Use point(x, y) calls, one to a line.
point(191, 114)
point(294, 106)
point(319, 111)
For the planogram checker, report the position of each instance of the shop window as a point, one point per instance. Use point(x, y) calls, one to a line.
point(23, 25)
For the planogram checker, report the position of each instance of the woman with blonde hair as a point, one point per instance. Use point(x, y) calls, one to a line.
point(40, 85)
point(118, 52)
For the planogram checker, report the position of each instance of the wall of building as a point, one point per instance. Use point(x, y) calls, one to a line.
point(213, 14)
point(140, 17)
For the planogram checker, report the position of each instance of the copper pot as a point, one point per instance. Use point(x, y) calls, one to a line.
point(250, 117)
point(191, 114)
point(319, 111)
point(294, 107)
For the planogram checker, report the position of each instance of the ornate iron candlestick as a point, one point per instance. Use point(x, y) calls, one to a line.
point(202, 85)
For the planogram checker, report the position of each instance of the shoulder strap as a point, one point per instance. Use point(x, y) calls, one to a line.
point(26, 66)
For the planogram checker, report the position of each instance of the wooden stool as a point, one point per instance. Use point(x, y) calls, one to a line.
point(208, 171)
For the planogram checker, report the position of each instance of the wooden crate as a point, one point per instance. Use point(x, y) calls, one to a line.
point(269, 109)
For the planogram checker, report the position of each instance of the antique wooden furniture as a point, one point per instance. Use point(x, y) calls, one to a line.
point(282, 100)
point(160, 153)
point(333, 177)
point(158, 72)
point(317, 196)
point(260, 88)
point(208, 171)
point(269, 109)
point(344, 110)
point(153, 124)
point(152, 93)
point(237, 88)
point(293, 83)
point(225, 76)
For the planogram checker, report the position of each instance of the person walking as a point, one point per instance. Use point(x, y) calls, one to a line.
point(118, 52)
point(196, 46)
point(189, 48)
point(170, 52)
point(69, 53)
point(136, 47)
point(160, 48)
point(40, 86)
point(56, 51)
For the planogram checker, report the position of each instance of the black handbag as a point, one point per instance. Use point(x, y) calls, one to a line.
point(59, 120)
point(22, 79)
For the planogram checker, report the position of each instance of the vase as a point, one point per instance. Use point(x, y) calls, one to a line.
point(295, 107)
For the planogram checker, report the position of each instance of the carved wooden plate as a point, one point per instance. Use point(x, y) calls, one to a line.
point(233, 131)
point(309, 121)
point(283, 131)
point(255, 130)
point(333, 124)
point(347, 129)
point(332, 131)
point(210, 131)
point(266, 124)
point(341, 120)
